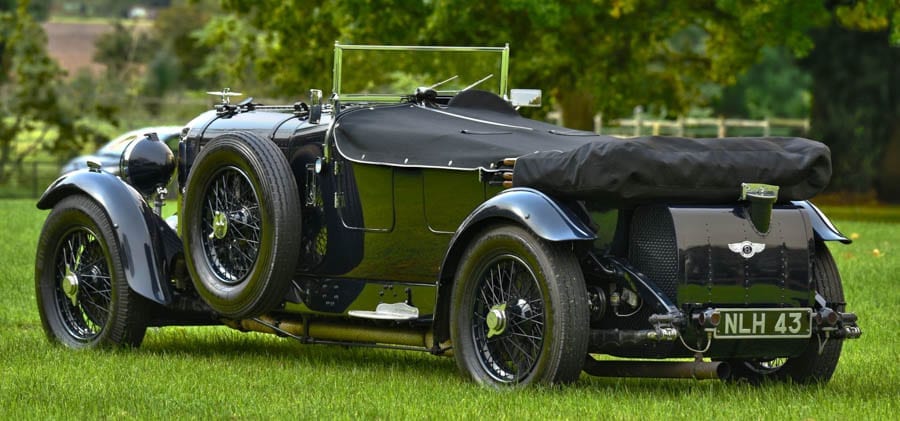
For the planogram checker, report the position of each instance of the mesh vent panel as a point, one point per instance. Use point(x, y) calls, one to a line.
point(652, 249)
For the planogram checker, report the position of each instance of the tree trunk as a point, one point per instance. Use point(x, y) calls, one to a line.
point(4, 159)
point(7, 143)
point(888, 184)
point(577, 109)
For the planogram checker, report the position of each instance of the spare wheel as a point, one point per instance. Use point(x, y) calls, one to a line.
point(241, 219)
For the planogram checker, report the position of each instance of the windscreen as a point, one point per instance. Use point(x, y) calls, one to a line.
point(391, 73)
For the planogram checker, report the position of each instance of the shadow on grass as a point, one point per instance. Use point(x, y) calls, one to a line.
point(222, 343)
point(223, 347)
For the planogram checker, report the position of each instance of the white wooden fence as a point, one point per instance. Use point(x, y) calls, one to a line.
point(638, 126)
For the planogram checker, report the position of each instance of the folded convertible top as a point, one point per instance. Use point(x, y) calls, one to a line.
point(478, 129)
point(678, 169)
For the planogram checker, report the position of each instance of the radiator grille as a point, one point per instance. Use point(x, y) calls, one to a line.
point(652, 249)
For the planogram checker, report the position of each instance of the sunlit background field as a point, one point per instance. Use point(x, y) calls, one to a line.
point(219, 373)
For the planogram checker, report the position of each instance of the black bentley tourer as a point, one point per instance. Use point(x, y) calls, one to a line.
point(439, 219)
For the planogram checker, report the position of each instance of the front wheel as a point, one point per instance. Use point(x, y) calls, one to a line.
point(519, 310)
point(82, 294)
point(812, 366)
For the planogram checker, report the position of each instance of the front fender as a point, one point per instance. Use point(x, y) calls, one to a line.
point(823, 229)
point(525, 207)
point(132, 219)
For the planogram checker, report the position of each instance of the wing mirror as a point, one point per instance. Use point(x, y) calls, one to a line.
point(525, 97)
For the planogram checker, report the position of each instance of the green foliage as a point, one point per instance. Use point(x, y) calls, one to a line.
point(856, 116)
point(774, 86)
point(28, 89)
point(41, 112)
point(175, 30)
point(856, 86)
point(91, 117)
point(162, 73)
point(39, 9)
point(610, 55)
point(291, 55)
point(591, 56)
point(872, 16)
point(123, 49)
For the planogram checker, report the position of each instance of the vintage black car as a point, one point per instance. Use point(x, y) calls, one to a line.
point(441, 220)
point(110, 154)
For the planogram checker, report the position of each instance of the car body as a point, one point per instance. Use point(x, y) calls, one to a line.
point(109, 155)
point(444, 221)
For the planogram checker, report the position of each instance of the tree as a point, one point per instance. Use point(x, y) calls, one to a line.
point(174, 29)
point(38, 111)
point(776, 86)
point(858, 117)
point(39, 9)
point(28, 96)
point(123, 51)
point(605, 55)
point(609, 55)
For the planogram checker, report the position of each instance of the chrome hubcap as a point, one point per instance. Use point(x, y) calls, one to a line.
point(70, 285)
point(508, 319)
point(220, 225)
point(496, 320)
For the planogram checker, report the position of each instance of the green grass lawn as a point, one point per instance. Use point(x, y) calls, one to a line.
point(219, 373)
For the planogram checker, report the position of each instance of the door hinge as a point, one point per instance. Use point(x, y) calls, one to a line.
point(339, 200)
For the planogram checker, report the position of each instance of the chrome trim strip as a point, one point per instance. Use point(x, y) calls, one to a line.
point(478, 120)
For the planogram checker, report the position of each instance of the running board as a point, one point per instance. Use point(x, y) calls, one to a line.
point(388, 311)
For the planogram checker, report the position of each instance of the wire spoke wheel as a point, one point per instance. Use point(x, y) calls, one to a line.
point(82, 292)
point(765, 367)
point(242, 224)
point(517, 317)
point(508, 319)
point(83, 289)
point(231, 225)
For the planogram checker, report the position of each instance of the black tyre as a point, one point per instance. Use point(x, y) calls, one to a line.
point(241, 224)
point(82, 294)
point(519, 311)
point(811, 366)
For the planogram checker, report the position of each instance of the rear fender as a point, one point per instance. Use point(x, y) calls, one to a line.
point(526, 207)
point(136, 226)
point(823, 229)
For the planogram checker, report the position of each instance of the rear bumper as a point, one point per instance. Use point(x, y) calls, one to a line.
point(707, 333)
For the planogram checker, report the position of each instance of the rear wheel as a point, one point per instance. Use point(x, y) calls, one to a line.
point(83, 297)
point(241, 224)
point(519, 312)
point(811, 366)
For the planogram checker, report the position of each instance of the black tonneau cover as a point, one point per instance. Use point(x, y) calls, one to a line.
point(478, 128)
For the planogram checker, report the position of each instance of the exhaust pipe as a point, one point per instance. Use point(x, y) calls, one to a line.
point(699, 370)
point(346, 333)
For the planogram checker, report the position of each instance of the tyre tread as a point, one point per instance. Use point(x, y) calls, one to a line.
point(128, 323)
point(278, 188)
point(571, 316)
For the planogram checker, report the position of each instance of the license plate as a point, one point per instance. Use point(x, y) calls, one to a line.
point(760, 323)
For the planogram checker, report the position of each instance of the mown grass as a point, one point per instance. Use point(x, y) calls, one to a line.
point(200, 373)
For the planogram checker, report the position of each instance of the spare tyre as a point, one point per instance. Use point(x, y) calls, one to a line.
point(241, 219)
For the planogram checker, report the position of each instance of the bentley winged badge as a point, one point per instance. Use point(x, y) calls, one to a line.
point(747, 249)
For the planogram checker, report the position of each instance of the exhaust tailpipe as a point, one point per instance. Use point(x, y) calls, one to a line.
point(699, 370)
